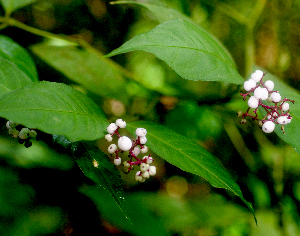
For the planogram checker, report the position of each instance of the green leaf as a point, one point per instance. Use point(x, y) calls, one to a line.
point(188, 49)
point(162, 13)
point(292, 130)
point(11, 77)
point(95, 165)
point(14, 53)
point(55, 108)
point(12, 5)
point(88, 68)
point(188, 156)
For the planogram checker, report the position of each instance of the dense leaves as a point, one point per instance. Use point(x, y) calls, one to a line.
point(55, 108)
point(192, 52)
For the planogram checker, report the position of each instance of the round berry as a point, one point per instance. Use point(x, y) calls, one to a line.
point(144, 167)
point(269, 84)
point(111, 128)
point(141, 132)
point(124, 143)
point(126, 164)
point(146, 175)
point(152, 170)
point(148, 159)
point(24, 133)
point(32, 133)
point(253, 102)
point(12, 124)
point(13, 132)
point(112, 148)
point(108, 138)
point(276, 97)
point(121, 123)
point(257, 75)
point(117, 161)
point(138, 177)
point(285, 106)
point(268, 127)
point(136, 151)
point(144, 149)
point(143, 140)
point(282, 120)
point(261, 93)
point(249, 84)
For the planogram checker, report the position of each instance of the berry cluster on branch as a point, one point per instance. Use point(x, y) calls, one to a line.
point(20, 132)
point(277, 111)
point(134, 148)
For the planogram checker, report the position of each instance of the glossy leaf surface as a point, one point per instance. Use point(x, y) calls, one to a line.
point(97, 74)
point(11, 77)
point(188, 156)
point(56, 109)
point(14, 53)
point(188, 49)
point(96, 165)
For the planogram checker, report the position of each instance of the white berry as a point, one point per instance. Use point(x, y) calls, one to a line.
point(257, 75)
point(121, 123)
point(269, 84)
point(261, 93)
point(282, 120)
point(276, 97)
point(136, 151)
point(144, 149)
point(126, 164)
point(146, 175)
point(111, 128)
point(138, 177)
point(249, 84)
point(148, 159)
point(253, 102)
point(143, 140)
point(108, 138)
point(124, 143)
point(141, 132)
point(144, 167)
point(117, 161)
point(268, 127)
point(285, 106)
point(112, 148)
point(152, 170)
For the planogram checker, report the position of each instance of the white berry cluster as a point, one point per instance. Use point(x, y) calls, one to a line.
point(258, 91)
point(21, 133)
point(134, 148)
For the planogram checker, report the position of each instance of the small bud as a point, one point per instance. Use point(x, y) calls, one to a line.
point(243, 121)
point(108, 138)
point(126, 164)
point(112, 148)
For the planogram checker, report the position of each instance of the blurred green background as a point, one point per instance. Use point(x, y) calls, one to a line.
point(43, 192)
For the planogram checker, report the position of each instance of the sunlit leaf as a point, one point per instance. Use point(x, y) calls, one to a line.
point(14, 53)
point(12, 5)
point(11, 77)
point(95, 165)
point(56, 109)
point(95, 73)
point(188, 49)
point(188, 156)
